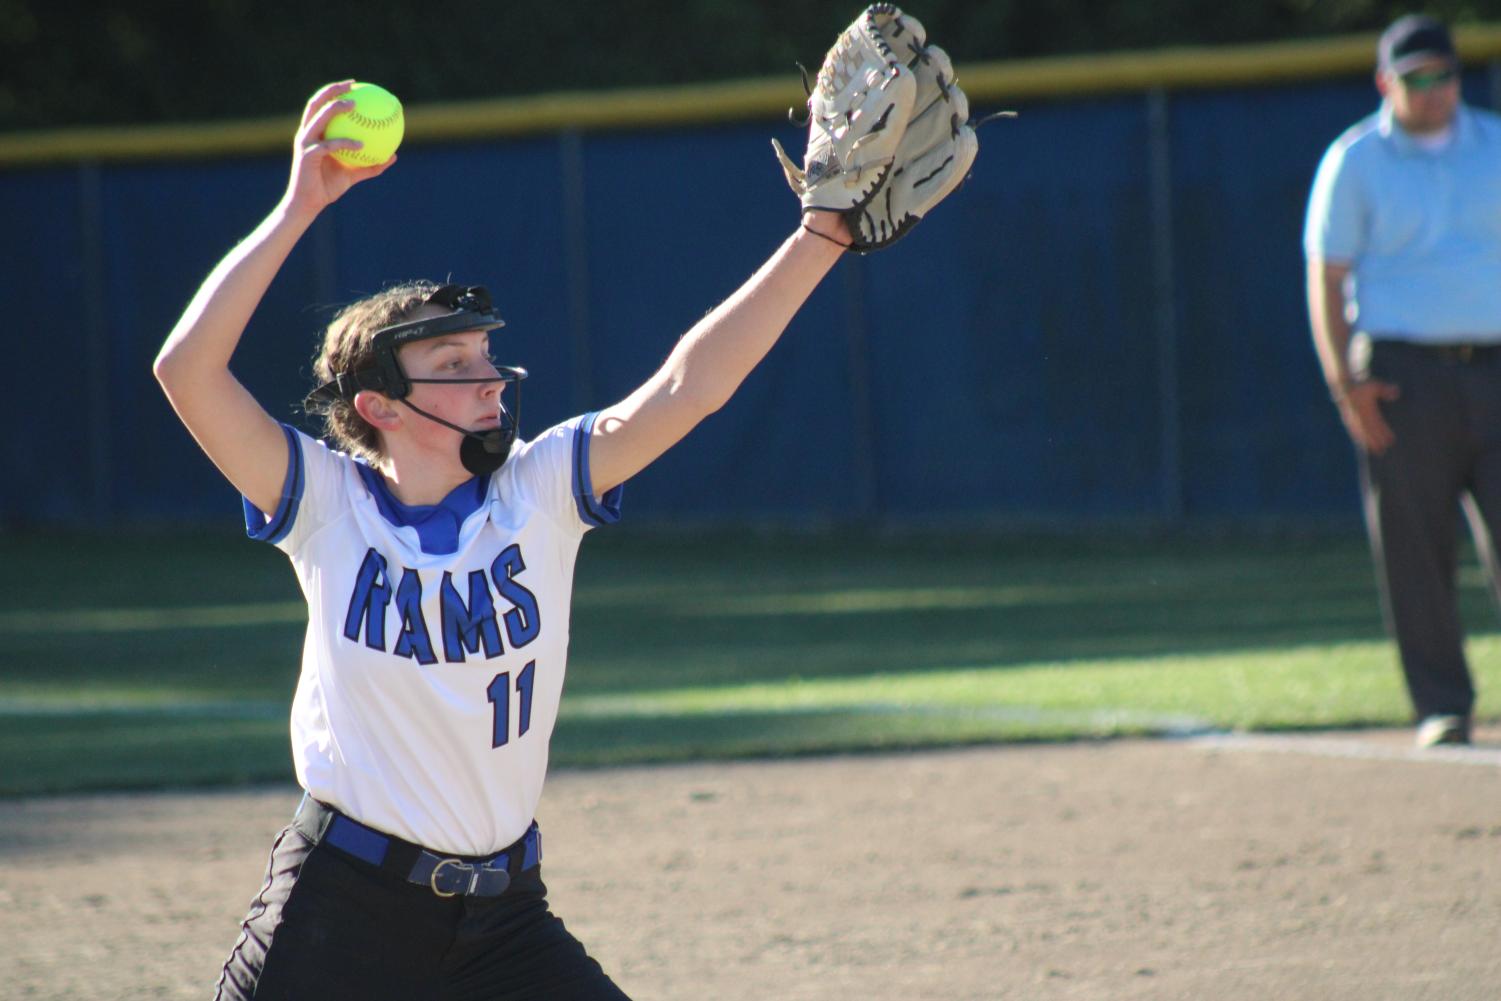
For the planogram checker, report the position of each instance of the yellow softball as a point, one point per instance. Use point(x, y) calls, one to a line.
point(375, 120)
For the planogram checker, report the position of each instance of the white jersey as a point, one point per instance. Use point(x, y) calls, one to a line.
point(437, 635)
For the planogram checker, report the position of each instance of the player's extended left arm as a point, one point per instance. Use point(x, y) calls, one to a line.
point(889, 137)
point(715, 356)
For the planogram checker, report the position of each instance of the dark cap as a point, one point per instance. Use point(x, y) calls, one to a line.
point(1412, 40)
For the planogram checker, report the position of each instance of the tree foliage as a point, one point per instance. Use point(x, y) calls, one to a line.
point(75, 62)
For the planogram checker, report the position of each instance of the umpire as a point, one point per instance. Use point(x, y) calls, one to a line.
point(1403, 244)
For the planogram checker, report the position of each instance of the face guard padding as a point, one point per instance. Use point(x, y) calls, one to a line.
point(481, 452)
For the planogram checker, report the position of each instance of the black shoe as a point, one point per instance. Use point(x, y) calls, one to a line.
point(1437, 730)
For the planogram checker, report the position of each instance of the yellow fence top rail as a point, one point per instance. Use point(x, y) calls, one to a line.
point(656, 107)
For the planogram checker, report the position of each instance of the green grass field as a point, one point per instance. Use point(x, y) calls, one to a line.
point(150, 661)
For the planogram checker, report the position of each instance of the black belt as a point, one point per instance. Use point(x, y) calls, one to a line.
point(444, 874)
point(1451, 354)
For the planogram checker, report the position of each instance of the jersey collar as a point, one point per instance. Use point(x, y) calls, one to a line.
point(438, 525)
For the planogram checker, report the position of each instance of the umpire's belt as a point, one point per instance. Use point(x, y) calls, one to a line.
point(1479, 353)
point(446, 875)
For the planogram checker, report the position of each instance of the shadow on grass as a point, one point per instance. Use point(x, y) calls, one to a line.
point(104, 751)
point(666, 738)
point(665, 612)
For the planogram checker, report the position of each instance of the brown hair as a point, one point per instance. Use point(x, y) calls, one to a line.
point(348, 347)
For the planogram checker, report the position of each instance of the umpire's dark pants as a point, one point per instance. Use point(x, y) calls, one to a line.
point(327, 926)
point(1447, 425)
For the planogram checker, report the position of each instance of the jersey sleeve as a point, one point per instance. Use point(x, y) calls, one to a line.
point(312, 493)
point(551, 473)
point(1334, 229)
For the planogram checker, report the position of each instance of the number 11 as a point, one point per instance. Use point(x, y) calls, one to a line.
point(500, 697)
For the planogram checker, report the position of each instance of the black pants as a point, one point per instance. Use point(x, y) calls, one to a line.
point(330, 927)
point(1447, 425)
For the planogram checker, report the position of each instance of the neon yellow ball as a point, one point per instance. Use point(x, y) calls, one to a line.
point(375, 120)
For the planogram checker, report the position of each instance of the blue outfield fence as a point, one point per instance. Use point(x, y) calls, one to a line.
point(1105, 323)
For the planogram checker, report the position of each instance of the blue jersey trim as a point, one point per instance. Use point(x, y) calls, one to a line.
point(437, 525)
point(593, 510)
point(274, 529)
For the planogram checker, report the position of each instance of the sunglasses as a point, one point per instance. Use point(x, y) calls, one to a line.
point(1429, 80)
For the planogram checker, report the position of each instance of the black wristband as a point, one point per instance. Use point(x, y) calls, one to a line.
point(825, 236)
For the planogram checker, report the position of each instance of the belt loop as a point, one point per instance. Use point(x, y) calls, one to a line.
point(312, 819)
point(531, 852)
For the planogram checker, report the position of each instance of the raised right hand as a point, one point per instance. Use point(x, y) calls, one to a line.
point(318, 180)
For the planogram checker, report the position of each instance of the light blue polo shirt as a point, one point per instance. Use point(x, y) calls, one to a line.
point(1420, 228)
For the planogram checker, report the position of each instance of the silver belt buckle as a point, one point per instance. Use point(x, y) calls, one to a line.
point(432, 880)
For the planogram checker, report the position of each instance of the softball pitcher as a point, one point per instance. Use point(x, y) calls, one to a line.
point(436, 550)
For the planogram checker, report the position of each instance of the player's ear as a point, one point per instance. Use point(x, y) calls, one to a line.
point(376, 410)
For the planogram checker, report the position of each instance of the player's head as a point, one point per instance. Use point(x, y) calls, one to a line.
point(1417, 72)
point(407, 341)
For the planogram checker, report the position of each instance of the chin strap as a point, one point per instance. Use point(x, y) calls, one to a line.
point(481, 452)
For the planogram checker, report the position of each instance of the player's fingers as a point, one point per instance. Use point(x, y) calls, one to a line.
point(322, 96)
point(313, 129)
point(358, 174)
point(378, 169)
point(327, 146)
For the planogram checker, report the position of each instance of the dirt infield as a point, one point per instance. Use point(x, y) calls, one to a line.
point(1342, 868)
